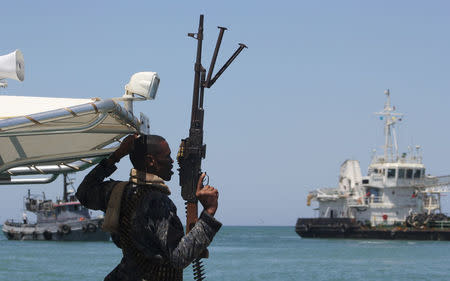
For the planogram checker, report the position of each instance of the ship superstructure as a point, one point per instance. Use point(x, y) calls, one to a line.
point(396, 186)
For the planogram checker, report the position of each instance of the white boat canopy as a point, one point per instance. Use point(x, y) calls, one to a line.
point(50, 136)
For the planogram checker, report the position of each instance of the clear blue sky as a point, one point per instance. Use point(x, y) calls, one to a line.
point(282, 118)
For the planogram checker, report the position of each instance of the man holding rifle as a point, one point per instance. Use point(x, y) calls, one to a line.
point(141, 217)
point(139, 214)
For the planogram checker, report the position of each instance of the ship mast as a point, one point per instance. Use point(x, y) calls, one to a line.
point(67, 197)
point(65, 188)
point(390, 136)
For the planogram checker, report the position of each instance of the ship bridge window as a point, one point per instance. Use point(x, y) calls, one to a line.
point(401, 173)
point(379, 171)
point(391, 173)
point(409, 173)
point(417, 174)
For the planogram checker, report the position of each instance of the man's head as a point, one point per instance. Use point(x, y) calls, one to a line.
point(151, 154)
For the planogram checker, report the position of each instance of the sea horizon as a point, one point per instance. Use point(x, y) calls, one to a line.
point(252, 253)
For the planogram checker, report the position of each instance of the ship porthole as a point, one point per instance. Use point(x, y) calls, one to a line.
point(91, 227)
point(65, 229)
point(47, 235)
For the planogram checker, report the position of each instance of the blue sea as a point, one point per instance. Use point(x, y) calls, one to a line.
point(243, 253)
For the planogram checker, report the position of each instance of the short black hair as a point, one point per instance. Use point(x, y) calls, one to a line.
point(143, 146)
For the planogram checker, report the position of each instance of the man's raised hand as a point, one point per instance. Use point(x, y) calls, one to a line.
point(207, 195)
point(125, 148)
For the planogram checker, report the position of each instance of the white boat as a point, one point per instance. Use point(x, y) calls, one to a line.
point(62, 220)
point(396, 192)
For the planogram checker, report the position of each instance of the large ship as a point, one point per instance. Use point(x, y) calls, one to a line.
point(396, 200)
point(63, 220)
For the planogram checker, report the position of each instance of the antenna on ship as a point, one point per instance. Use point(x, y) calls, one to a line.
point(67, 181)
point(390, 136)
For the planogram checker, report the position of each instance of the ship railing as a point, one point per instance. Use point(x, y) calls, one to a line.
point(372, 201)
point(431, 206)
point(433, 184)
point(378, 202)
point(13, 223)
point(326, 194)
point(431, 203)
point(356, 202)
point(439, 224)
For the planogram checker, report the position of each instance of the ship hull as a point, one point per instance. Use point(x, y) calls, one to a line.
point(87, 230)
point(347, 228)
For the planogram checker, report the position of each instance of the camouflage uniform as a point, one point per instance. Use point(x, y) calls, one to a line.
point(153, 240)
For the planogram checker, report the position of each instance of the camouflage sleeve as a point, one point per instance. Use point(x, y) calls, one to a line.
point(93, 192)
point(161, 232)
point(191, 245)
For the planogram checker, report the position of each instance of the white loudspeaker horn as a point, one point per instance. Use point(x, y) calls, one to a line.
point(12, 66)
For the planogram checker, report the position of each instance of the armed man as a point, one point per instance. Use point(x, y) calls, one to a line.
point(142, 218)
point(139, 214)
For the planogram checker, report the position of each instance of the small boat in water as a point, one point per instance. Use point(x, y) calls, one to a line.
point(63, 220)
point(396, 200)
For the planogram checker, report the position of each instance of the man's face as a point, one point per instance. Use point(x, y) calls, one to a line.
point(163, 162)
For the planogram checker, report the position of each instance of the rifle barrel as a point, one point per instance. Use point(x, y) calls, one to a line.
point(197, 68)
point(202, 89)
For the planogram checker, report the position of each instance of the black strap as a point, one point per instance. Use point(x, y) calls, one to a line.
point(149, 270)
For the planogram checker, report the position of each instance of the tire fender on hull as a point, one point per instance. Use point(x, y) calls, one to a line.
point(91, 227)
point(48, 235)
point(65, 229)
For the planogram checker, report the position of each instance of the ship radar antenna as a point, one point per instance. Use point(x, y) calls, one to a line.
point(390, 137)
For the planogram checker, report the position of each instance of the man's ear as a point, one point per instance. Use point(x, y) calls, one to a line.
point(152, 161)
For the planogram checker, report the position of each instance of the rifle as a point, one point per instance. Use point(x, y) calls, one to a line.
point(192, 149)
